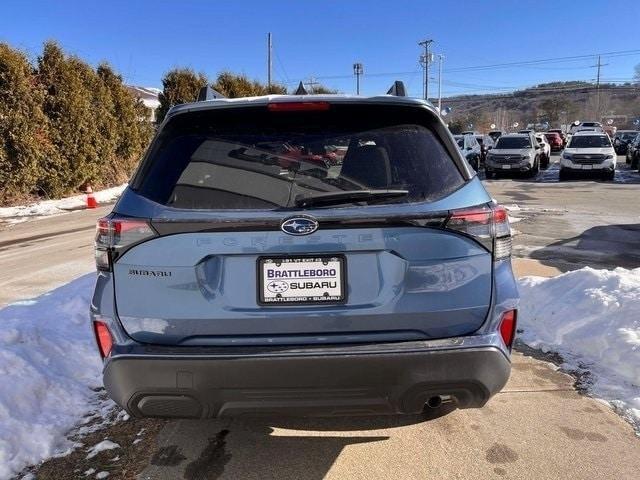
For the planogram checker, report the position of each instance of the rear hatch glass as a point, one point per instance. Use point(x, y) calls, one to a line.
point(254, 158)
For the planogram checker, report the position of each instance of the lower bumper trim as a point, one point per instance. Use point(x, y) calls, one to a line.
point(365, 384)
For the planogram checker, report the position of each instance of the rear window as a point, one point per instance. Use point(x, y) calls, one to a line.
point(251, 158)
point(513, 142)
point(589, 141)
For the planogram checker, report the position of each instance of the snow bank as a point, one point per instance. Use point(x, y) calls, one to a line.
point(55, 207)
point(592, 318)
point(48, 366)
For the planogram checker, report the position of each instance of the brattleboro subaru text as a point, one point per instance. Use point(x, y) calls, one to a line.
point(303, 255)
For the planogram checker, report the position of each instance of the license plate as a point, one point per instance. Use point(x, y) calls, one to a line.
point(506, 167)
point(587, 167)
point(301, 280)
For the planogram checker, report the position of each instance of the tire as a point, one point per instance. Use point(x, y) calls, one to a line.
point(563, 175)
point(545, 163)
point(634, 162)
point(609, 176)
point(535, 169)
point(489, 175)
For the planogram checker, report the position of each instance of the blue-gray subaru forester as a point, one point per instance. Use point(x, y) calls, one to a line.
point(303, 255)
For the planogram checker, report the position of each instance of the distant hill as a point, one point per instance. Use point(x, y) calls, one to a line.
point(556, 103)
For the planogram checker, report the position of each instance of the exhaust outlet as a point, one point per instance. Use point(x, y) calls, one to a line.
point(434, 402)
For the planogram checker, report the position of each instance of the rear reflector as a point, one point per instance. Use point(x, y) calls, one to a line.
point(508, 327)
point(103, 338)
point(298, 106)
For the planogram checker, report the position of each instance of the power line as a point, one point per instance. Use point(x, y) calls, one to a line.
point(527, 63)
point(546, 60)
point(584, 89)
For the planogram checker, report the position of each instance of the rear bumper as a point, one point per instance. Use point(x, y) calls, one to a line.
point(344, 380)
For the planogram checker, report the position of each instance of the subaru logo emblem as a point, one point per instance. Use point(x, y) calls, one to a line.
point(299, 226)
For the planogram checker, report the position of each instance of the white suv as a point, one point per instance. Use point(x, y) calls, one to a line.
point(515, 152)
point(591, 152)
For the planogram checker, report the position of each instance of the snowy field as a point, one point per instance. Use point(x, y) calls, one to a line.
point(47, 208)
point(51, 369)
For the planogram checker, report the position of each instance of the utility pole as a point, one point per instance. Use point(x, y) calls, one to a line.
point(269, 63)
point(425, 60)
point(440, 60)
point(598, 66)
point(358, 69)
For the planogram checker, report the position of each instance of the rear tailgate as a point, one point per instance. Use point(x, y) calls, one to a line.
point(217, 199)
point(401, 283)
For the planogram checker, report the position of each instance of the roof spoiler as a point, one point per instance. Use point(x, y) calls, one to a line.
point(397, 89)
point(208, 93)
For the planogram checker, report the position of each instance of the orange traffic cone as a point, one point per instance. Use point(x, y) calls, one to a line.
point(91, 199)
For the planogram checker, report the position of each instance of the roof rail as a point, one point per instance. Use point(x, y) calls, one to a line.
point(208, 93)
point(301, 90)
point(397, 89)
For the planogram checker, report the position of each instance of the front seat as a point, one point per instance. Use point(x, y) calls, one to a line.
point(367, 165)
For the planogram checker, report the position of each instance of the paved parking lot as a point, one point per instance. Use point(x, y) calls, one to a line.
point(538, 427)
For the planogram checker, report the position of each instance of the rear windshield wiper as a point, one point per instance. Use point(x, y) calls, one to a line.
point(348, 196)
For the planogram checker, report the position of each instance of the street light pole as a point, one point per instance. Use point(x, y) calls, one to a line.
point(440, 60)
point(269, 62)
point(358, 69)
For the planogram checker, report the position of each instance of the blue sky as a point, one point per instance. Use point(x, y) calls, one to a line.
point(322, 38)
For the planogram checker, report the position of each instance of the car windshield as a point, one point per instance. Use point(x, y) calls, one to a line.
point(251, 158)
point(590, 141)
point(513, 142)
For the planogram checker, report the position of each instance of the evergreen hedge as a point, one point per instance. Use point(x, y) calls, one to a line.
point(64, 124)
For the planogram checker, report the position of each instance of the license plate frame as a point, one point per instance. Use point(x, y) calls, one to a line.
point(587, 166)
point(506, 167)
point(269, 299)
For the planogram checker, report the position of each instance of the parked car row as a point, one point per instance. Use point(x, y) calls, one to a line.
point(587, 147)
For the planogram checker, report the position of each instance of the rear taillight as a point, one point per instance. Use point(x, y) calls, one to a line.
point(113, 235)
point(489, 225)
point(103, 338)
point(508, 327)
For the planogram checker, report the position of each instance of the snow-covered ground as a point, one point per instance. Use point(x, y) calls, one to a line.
point(592, 319)
point(46, 208)
point(49, 367)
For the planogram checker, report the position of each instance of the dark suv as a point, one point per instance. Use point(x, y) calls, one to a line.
point(236, 278)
